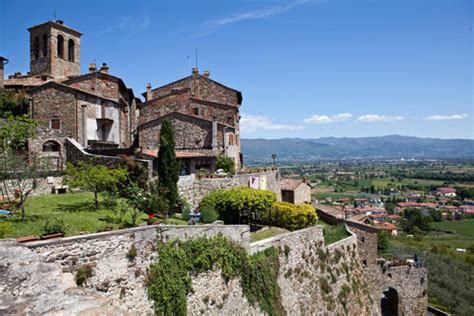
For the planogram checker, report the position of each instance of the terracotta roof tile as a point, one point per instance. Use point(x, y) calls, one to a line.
point(290, 184)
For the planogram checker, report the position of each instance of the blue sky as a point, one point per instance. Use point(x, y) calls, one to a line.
point(306, 68)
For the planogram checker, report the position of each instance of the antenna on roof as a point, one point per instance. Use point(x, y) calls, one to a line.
point(54, 15)
point(188, 59)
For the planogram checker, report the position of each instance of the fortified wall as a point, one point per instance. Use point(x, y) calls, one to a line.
point(314, 279)
point(195, 189)
point(402, 287)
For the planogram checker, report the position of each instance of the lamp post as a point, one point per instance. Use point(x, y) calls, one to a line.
point(274, 158)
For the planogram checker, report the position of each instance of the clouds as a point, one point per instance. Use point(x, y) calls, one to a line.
point(379, 118)
point(250, 123)
point(453, 117)
point(253, 15)
point(129, 25)
point(322, 119)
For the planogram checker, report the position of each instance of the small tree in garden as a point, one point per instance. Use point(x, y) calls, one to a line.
point(226, 163)
point(21, 171)
point(95, 178)
point(167, 167)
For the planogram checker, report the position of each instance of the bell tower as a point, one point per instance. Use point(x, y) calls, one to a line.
point(55, 50)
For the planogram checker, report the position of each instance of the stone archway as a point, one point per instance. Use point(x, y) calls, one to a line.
point(390, 302)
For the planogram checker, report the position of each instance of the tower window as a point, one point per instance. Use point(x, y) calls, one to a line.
point(45, 45)
point(70, 49)
point(60, 46)
point(196, 111)
point(55, 123)
point(36, 48)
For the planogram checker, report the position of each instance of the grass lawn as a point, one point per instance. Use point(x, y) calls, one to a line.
point(266, 232)
point(75, 209)
point(464, 227)
point(333, 233)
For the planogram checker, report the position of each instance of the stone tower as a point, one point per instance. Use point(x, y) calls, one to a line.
point(55, 50)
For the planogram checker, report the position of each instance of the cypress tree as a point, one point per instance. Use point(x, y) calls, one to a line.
point(167, 166)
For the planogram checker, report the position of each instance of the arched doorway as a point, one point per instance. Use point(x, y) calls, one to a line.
point(389, 303)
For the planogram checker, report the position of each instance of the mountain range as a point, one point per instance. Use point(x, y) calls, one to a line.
point(293, 150)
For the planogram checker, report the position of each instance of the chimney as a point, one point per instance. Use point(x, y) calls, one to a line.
point(206, 73)
point(148, 91)
point(92, 67)
point(104, 68)
point(214, 135)
point(3, 61)
point(195, 72)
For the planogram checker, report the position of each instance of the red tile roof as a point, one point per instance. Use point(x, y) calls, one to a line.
point(290, 184)
point(386, 226)
point(446, 190)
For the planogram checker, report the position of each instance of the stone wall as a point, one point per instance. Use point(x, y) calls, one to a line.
point(75, 153)
point(120, 280)
point(195, 189)
point(410, 284)
point(44, 186)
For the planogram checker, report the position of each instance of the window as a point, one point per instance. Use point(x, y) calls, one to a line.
point(51, 146)
point(36, 50)
point(70, 49)
point(196, 111)
point(364, 262)
point(60, 46)
point(55, 123)
point(45, 45)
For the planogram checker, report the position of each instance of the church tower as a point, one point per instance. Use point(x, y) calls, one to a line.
point(55, 50)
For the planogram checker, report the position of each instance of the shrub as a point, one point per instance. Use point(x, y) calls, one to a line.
point(290, 216)
point(226, 163)
point(5, 228)
point(82, 274)
point(54, 228)
point(209, 214)
point(233, 204)
point(132, 253)
point(169, 280)
point(383, 240)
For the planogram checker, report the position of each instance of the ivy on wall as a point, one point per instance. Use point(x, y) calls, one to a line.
point(169, 280)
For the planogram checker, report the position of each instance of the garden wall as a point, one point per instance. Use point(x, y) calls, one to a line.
point(45, 186)
point(195, 189)
point(114, 276)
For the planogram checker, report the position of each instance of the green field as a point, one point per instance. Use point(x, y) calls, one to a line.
point(76, 210)
point(383, 183)
point(464, 227)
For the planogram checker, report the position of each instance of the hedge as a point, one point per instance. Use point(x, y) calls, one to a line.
point(291, 216)
point(232, 204)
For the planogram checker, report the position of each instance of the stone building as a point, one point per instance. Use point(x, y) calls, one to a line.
point(295, 191)
point(205, 117)
point(95, 109)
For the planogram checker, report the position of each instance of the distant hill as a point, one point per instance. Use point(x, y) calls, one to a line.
point(332, 148)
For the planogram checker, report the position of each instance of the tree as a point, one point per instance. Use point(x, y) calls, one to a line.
point(94, 178)
point(226, 163)
point(20, 176)
point(13, 103)
point(167, 166)
point(415, 219)
point(383, 240)
point(20, 171)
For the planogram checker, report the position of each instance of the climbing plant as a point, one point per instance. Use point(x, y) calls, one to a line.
point(169, 279)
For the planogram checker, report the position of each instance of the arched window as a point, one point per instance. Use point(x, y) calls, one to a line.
point(70, 50)
point(51, 146)
point(45, 45)
point(60, 46)
point(36, 49)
